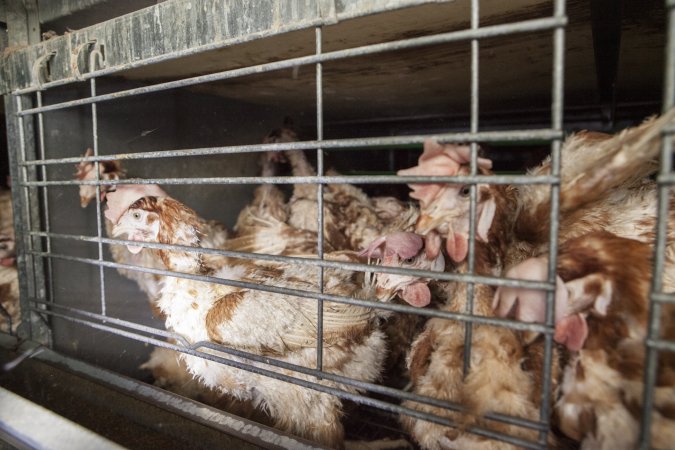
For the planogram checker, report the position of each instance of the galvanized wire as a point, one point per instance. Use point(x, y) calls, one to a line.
point(363, 385)
point(352, 179)
point(45, 199)
point(474, 35)
point(484, 320)
point(329, 144)
point(454, 36)
point(557, 111)
point(319, 196)
point(313, 262)
point(97, 166)
point(380, 404)
point(471, 257)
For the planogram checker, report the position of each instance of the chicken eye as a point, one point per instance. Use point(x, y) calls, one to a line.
point(136, 215)
point(409, 260)
point(465, 191)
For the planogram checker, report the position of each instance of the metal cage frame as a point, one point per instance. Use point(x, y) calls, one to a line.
point(28, 157)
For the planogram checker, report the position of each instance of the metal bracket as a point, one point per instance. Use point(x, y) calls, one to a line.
point(96, 57)
point(40, 69)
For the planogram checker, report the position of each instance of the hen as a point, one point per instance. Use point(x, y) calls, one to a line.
point(351, 219)
point(504, 375)
point(10, 313)
point(512, 224)
point(215, 233)
point(516, 217)
point(606, 320)
point(262, 323)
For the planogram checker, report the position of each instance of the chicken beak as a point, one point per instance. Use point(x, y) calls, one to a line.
point(424, 224)
point(119, 230)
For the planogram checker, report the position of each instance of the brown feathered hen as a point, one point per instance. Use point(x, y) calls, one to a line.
point(10, 312)
point(278, 326)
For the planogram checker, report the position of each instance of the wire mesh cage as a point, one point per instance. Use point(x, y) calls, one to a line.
point(192, 120)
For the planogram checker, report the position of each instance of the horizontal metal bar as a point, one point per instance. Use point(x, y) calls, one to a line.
point(663, 297)
point(313, 262)
point(332, 144)
point(484, 320)
point(380, 404)
point(105, 318)
point(25, 424)
point(371, 387)
point(661, 344)
point(666, 179)
point(359, 179)
point(453, 36)
point(260, 435)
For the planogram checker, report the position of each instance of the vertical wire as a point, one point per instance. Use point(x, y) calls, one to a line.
point(319, 171)
point(653, 331)
point(94, 126)
point(27, 239)
point(557, 125)
point(45, 199)
point(468, 327)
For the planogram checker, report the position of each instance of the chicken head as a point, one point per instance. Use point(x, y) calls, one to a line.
point(138, 224)
point(574, 300)
point(108, 170)
point(446, 207)
point(7, 250)
point(407, 250)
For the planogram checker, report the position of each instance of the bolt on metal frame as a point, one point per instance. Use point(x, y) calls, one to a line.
point(34, 228)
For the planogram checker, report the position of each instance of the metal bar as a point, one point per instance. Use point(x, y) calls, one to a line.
point(663, 298)
point(13, 144)
point(492, 321)
point(229, 424)
point(372, 387)
point(214, 418)
point(653, 331)
point(454, 36)
point(94, 128)
point(112, 320)
point(557, 111)
point(319, 196)
point(30, 269)
point(665, 180)
point(445, 276)
point(356, 179)
point(45, 199)
point(380, 404)
point(25, 424)
point(331, 144)
point(669, 77)
point(661, 345)
point(471, 261)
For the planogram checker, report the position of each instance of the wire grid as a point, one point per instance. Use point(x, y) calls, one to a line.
point(39, 289)
point(654, 343)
